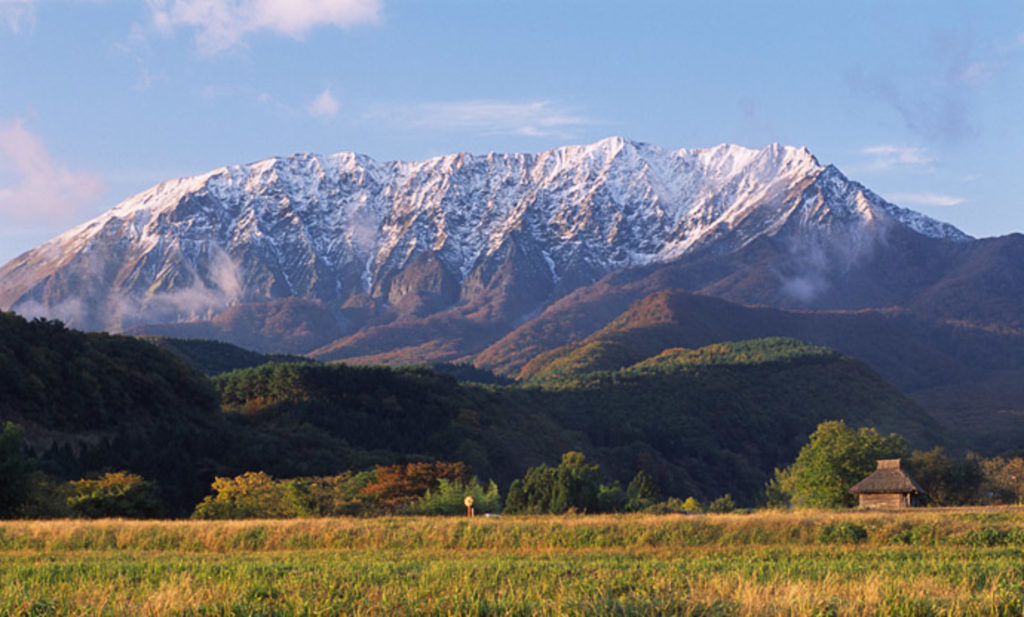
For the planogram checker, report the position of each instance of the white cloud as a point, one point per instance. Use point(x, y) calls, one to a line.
point(223, 24)
point(531, 118)
point(34, 187)
point(887, 156)
point(925, 199)
point(17, 12)
point(325, 105)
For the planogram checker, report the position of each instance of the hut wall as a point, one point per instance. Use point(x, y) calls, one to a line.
point(883, 500)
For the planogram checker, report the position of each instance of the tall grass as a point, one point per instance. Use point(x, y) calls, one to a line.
point(807, 563)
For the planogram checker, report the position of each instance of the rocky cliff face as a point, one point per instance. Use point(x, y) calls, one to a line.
point(498, 236)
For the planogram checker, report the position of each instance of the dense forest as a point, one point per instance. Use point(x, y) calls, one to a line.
point(699, 422)
point(215, 357)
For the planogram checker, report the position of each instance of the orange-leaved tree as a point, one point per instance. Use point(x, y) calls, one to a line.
point(396, 486)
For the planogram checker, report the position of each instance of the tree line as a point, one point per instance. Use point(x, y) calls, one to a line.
point(838, 456)
point(834, 458)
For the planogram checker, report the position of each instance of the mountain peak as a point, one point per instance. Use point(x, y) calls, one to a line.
point(434, 233)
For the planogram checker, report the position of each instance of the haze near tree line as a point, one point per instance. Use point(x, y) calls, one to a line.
point(918, 101)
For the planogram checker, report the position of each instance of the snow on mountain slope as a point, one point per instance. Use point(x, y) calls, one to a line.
point(344, 225)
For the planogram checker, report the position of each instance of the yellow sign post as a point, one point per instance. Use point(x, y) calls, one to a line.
point(469, 505)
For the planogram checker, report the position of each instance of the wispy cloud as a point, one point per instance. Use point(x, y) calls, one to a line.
point(16, 13)
point(925, 199)
point(888, 156)
point(977, 72)
point(223, 24)
point(324, 105)
point(34, 187)
point(943, 115)
point(937, 101)
point(488, 117)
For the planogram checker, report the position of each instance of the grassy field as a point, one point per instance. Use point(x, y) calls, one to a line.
point(803, 563)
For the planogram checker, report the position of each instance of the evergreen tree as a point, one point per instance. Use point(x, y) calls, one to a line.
point(573, 485)
point(577, 482)
point(515, 501)
point(16, 469)
point(641, 492)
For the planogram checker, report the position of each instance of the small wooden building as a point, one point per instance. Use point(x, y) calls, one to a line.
point(888, 487)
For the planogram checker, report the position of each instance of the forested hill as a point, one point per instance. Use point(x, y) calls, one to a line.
point(90, 402)
point(701, 422)
point(216, 357)
point(63, 380)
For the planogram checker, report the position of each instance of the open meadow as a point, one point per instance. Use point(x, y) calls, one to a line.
point(949, 562)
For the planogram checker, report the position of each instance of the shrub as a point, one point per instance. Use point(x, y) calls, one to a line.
point(611, 498)
point(722, 504)
point(449, 496)
point(843, 532)
point(987, 536)
point(251, 495)
point(692, 504)
point(672, 505)
point(118, 494)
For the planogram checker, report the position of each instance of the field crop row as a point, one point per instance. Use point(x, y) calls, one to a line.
point(949, 563)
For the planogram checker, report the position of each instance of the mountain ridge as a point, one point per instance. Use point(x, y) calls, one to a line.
point(424, 236)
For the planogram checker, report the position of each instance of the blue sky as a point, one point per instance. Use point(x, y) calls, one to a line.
point(99, 99)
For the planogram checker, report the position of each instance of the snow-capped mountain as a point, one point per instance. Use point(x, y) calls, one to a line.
point(414, 238)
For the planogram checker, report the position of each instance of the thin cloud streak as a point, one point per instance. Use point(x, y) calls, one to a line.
point(39, 189)
point(487, 117)
point(978, 72)
point(223, 24)
point(925, 199)
point(888, 156)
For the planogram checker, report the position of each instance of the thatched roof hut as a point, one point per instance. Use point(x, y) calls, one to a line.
point(889, 486)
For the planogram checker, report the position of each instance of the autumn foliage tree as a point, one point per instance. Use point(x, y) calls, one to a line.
point(397, 486)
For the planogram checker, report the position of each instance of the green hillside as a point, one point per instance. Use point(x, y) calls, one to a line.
point(968, 378)
point(702, 422)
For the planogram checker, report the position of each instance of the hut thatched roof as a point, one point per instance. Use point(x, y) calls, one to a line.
point(889, 477)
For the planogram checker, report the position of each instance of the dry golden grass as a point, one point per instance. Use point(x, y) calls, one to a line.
point(931, 562)
point(765, 527)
